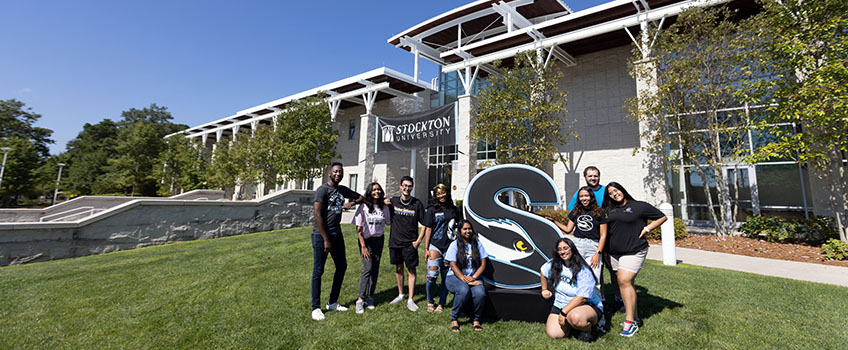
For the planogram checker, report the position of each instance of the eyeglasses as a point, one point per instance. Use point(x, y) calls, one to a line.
point(406, 186)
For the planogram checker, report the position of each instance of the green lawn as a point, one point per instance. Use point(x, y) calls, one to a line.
point(252, 292)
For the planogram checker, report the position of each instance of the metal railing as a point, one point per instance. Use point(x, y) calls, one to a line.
point(62, 216)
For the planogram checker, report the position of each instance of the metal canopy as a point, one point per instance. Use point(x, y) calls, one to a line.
point(363, 89)
point(484, 31)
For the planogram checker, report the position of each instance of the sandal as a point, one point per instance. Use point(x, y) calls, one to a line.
point(439, 309)
point(430, 307)
point(455, 328)
point(478, 327)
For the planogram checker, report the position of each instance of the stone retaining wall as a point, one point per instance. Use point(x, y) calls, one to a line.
point(145, 222)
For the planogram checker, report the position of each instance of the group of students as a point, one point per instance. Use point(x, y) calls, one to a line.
point(608, 227)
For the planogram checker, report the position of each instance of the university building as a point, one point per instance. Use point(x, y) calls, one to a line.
point(591, 47)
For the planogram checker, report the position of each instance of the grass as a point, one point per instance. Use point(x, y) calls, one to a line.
point(253, 291)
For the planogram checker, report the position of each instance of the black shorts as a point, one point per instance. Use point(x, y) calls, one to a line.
point(408, 255)
point(555, 311)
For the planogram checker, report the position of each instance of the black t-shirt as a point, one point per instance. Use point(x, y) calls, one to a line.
point(405, 219)
point(626, 223)
point(442, 220)
point(586, 225)
point(332, 199)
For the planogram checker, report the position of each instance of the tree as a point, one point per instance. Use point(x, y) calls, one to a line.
point(16, 120)
point(88, 159)
point(181, 166)
point(141, 135)
point(523, 114)
point(19, 176)
point(695, 81)
point(29, 150)
point(802, 46)
point(306, 138)
point(224, 168)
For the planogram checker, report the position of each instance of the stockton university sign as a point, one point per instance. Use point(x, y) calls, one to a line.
point(436, 127)
point(518, 242)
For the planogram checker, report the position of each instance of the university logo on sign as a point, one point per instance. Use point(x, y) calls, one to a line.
point(388, 133)
point(436, 127)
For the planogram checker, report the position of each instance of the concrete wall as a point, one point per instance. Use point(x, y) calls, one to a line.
point(71, 208)
point(598, 89)
point(145, 222)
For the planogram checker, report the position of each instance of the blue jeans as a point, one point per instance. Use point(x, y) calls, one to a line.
point(465, 294)
point(431, 285)
point(319, 257)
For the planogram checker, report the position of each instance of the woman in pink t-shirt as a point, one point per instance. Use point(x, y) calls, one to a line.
point(370, 220)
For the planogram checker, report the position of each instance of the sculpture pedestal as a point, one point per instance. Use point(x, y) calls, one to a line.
point(517, 304)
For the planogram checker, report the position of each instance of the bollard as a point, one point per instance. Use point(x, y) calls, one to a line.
point(667, 229)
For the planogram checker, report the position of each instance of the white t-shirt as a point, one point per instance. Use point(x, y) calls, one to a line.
point(372, 222)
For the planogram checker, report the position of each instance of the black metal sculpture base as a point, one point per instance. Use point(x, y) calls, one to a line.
point(517, 304)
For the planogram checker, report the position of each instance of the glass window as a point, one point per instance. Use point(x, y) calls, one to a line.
point(354, 181)
point(780, 185)
point(351, 131)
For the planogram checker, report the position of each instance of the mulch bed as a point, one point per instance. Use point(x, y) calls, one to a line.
point(755, 247)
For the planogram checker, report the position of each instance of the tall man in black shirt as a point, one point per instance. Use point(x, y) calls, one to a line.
point(407, 213)
point(327, 237)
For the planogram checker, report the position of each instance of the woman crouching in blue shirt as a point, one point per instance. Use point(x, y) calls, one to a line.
point(577, 304)
point(467, 261)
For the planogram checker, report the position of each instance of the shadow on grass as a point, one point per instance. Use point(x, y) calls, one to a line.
point(647, 304)
point(383, 297)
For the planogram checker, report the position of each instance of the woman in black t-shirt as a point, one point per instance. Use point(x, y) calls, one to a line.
point(628, 246)
point(440, 219)
point(588, 223)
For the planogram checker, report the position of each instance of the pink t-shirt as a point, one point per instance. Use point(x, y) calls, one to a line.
point(374, 222)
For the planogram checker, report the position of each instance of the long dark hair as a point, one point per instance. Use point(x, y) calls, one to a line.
point(575, 263)
point(593, 203)
point(608, 202)
point(461, 261)
point(369, 201)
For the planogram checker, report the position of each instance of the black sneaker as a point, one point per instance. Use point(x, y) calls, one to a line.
point(585, 337)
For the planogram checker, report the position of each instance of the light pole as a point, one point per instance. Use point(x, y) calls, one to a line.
point(58, 178)
point(6, 151)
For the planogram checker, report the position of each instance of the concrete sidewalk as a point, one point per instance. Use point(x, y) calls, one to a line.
point(827, 274)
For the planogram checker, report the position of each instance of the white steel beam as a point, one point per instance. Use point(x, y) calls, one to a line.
point(398, 93)
point(427, 51)
point(334, 108)
point(583, 33)
point(358, 92)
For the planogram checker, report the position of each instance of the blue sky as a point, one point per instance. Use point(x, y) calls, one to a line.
point(77, 62)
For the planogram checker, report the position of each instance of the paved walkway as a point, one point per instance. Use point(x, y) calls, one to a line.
point(836, 275)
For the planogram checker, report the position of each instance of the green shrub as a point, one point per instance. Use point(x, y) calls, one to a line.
point(835, 249)
point(558, 215)
point(680, 231)
point(778, 229)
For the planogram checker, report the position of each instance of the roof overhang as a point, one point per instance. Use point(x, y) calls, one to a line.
point(593, 29)
point(382, 83)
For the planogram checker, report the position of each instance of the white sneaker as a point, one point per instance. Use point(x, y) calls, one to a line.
point(411, 305)
point(360, 306)
point(398, 299)
point(317, 315)
point(369, 303)
point(336, 307)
